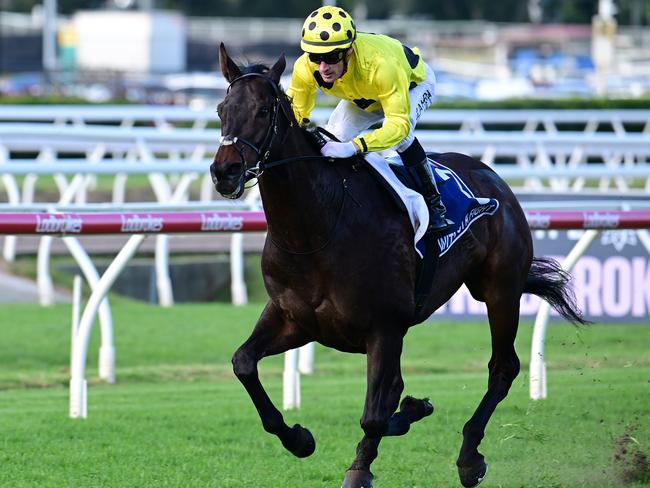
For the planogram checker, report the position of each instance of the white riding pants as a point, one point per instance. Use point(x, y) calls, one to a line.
point(347, 120)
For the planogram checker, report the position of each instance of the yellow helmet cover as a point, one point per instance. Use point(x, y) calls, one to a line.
point(327, 29)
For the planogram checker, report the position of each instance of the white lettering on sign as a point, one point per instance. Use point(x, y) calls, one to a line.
point(445, 242)
point(58, 224)
point(133, 223)
point(599, 220)
point(617, 300)
point(616, 287)
point(216, 222)
point(539, 221)
point(640, 287)
point(618, 238)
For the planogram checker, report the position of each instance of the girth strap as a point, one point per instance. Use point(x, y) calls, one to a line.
point(427, 271)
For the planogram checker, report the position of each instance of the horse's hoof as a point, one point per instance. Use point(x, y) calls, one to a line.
point(473, 475)
point(428, 407)
point(416, 407)
point(303, 443)
point(357, 478)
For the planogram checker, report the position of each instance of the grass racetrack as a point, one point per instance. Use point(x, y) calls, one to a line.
point(177, 416)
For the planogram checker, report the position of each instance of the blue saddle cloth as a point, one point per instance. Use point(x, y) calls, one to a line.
point(463, 208)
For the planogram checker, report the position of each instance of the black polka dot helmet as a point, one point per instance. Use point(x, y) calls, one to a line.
point(327, 29)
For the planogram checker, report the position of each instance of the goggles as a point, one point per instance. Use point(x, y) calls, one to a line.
point(328, 58)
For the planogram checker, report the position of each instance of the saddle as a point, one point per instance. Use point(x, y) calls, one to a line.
point(462, 207)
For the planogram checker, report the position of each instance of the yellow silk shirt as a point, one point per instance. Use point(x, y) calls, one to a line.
point(379, 75)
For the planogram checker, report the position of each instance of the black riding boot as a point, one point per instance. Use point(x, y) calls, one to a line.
point(415, 160)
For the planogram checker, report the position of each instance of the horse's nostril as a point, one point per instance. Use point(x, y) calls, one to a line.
point(233, 170)
point(214, 173)
point(226, 170)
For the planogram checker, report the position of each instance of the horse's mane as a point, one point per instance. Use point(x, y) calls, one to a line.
point(254, 68)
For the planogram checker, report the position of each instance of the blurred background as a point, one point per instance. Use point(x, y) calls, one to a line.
point(110, 105)
point(166, 51)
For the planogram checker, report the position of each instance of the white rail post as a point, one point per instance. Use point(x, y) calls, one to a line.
point(291, 381)
point(43, 278)
point(76, 308)
point(238, 288)
point(163, 279)
point(13, 196)
point(296, 361)
point(537, 370)
point(306, 358)
point(80, 389)
point(107, 348)
point(78, 385)
point(163, 191)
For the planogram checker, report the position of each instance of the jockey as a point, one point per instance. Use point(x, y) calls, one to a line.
point(377, 79)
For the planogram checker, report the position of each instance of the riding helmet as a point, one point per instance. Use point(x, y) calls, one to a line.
point(327, 29)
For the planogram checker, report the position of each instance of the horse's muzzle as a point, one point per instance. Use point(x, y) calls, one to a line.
point(228, 183)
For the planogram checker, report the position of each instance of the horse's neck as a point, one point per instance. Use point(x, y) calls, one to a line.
point(301, 197)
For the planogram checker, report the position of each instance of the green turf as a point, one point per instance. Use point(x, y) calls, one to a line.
point(177, 417)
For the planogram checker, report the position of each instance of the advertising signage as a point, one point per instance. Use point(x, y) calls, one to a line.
point(611, 280)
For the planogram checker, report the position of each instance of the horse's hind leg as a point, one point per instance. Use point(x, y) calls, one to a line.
point(411, 410)
point(273, 334)
point(385, 386)
point(503, 313)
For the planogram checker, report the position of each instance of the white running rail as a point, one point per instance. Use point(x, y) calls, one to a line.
point(472, 120)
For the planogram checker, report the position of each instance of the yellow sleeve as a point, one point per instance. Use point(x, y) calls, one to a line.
point(393, 88)
point(302, 90)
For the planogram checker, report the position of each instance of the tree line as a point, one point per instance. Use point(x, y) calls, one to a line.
point(546, 11)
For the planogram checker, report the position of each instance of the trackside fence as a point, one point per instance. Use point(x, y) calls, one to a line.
point(140, 225)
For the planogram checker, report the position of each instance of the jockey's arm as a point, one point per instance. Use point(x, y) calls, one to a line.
point(393, 92)
point(302, 90)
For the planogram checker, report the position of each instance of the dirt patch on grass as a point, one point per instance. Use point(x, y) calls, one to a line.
point(631, 463)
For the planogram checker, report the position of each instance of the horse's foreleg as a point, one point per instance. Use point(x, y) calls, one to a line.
point(503, 369)
point(272, 335)
point(385, 386)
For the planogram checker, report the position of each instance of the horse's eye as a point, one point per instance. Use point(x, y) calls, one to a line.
point(220, 109)
point(264, 111)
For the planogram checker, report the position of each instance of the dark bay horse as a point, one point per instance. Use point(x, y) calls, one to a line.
point(340, 268)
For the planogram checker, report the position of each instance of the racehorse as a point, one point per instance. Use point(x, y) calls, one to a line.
point(340, 267)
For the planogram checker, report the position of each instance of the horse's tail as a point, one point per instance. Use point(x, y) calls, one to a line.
point(549, 281)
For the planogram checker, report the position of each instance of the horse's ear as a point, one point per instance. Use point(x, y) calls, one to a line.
point(228, 67)
point(278, 68)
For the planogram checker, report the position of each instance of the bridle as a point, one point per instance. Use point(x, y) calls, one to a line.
point(265, 149)
point(263, 152)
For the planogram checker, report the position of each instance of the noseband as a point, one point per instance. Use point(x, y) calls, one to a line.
point(263, 152)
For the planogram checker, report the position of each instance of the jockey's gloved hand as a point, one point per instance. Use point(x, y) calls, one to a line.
point(338, 149)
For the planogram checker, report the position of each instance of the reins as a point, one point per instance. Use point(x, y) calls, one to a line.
point(264, 153)
point(278, 162)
